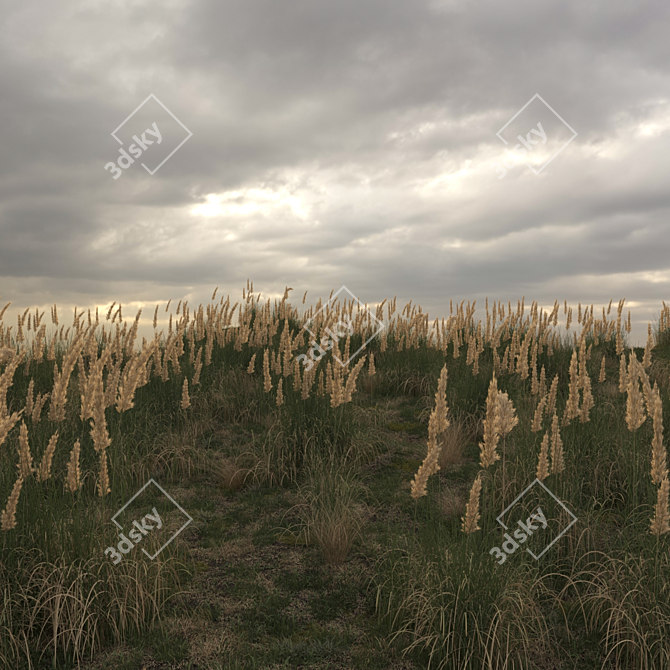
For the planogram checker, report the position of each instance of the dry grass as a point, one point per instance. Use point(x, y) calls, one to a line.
point(454, 439)
point(226, 472)
point(659, 373)
point(452, 503)
point(54, 608)
point(330, 512)
point(610, 389)
point(63, 598)
point(176, 454)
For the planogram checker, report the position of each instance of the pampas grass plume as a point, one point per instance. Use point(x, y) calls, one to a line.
point(73, 470)
point(252, 365)
point(8, 517)
point(25, 458)
point(543, 463)
point(267, 379)
point(601, 378)
point(635, 415)
point(488, 454)
point(557, 463)
point(659, 524)
point(44, 471)
point(471, 518)
point(185, 400)
point(280, 394)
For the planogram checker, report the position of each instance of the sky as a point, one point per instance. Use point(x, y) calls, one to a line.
point(315, 145)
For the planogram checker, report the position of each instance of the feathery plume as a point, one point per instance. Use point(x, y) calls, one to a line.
point(539, 412)
point(601, 378)
point(280, 394)
point(646, 360)
point(297, 380)
point(472, 515)
point(307, 381)
point(587, 397)
point(198, 368)
point(659, 524)
point(267, 379)
point(635, 415)
point(437, 424)
point(659, 470)
point(507, 418)
point(488, 454)
point(25, 458)
point(103, 482)
point(30, 397)
point(350, 386)
point(438, 421)
point(543, 463)
point(7, 422)
point(44, 471)
point(542, 388)
point(557, 462)
point(8, 375)
point(572, 405)
point(37, 410)
point(73, 470)
point(623, 375)
point(8, 516)
point(427, 468)
point(252, 365)
point(185, 400)
point(551, 403)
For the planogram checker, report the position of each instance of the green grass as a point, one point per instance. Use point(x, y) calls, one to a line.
point(249, 585)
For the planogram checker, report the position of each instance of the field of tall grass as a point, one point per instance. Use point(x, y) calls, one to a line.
point(393, 471)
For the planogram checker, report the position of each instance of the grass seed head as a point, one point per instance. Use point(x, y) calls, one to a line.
point(44, 471)
point(280, 394)
point(185, 400)
point(8, 516)
point(252, 365)
point(659, 469)
point(539, 413)
point(472, 515)
point(557, 463)
point(507, 418)
point(488, 454)
point(543, 463)
point(660, 523)
point(635, 415)
point(25, 458)
point(73, 470)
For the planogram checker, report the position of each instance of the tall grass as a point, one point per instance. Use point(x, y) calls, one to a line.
point(135, 411)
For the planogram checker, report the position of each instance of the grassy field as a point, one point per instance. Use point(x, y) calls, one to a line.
point(343, 516)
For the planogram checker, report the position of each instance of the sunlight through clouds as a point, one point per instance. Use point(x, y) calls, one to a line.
point(335, 143)
point(248, 201)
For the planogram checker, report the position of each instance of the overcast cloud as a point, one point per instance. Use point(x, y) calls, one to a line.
point(350, 142)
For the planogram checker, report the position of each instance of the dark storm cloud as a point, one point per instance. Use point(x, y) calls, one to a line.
point(349, 142)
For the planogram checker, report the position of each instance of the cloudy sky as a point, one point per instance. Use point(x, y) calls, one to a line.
point(317, 144)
